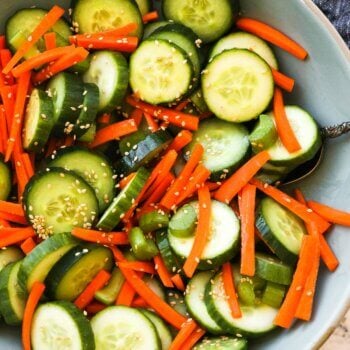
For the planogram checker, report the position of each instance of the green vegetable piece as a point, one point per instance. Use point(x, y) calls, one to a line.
point(128, 142)
point(153, 221)
point(143, 248)
point(183, 223)
point(245, 290)
point(273, 294)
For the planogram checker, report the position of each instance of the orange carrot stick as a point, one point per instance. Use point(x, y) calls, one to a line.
point(117, 238)
point(163, 272)
point(125, 295)
point(283, 81)
point(32, 302)
point(152, 124)
point(294, 206)
point(3, 128)
point(247, 213)
point(2, 42)
point(28, 167)
point(150, 16)
point(141, 266)
point(140, 303)
point(287, 311)
point(241, 177)
point(50, 41)
point(99, 281)
point(113, 132)
point(8, 96)
point(284, 129)
point(272, 35)
point(230, 290)
point(11, 208)
point(137, 115)
point(192, 340)
point(5, 58)
point(178, 282)
point(187, 328)
point(4, 223)
point(13, 218)
point(18, 236)
point(95, 307)
point(126, 44)
point(28, 245)
point(45, 24)
point(202, 232)
point(182, 139)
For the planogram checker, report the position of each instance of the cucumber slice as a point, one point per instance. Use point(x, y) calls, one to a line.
point(156, 286)
point(109, 293)
point(237, 85)
point(91, 16)
point(242, 40)
point(152, 27)
point(306, 132)
point(255, 321)
point(273, 294)
point(144, 6)
point(223, 240)
point(217, 136)
point(269, 168)
point(123, 202)
point(245, 291)
point(222, 343)
point(143, 247)
point(80, 67)
point(198, 101)
point(272, 269)
point(93, 167)
point(183, 222)
point(18, 39)
point(5, 180)
point(12, 297)
point(38, 121)
point(128, 142)
point(153, 220)
point(61, 325)
point(177, 301)
point(75, 270)
point(67, 92)
point(195, 302)
point(9, 255)
point(89, 134)
point(162, 329)
point(109, 71)
point(144, 151)
point(124, 328)
point(209, 19)
point(281, 229)
point(89, 109)
point(153, 67)
point(56, 200)
point(36, 265)
point(264, 134)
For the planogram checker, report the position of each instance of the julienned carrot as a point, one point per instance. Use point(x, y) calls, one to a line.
point(8, 231)
point(182, 139)
point(178, 282)
point(3, 128)
point(45, 24)
point(229, 287)
point(180, 119)
point(64, 62)
point(50, 41)
point(186, 330)
point(31, 304)
point(124, 181)
point(241, 177)
point(40, 59)
point(117, 254)
point(152, 124)
point(170, 198)
point(150, 16)
point(197, 179)
point(192, 340)
point(213, 186)
point(139, 303)
point(284, 129)
point(163, 272)
point(21, 173)
point(247, 214)
point(18, 236)
point(125, 295)
point(99, 281)
point(182, 105)
point(5, 58)
point(113, 132)
point(282, 80)
point(11, 208)
point(155, 185)
point(272, 35)
point(155, 302)
point(95, 307)
point(287, 311)
point(13, 218)
point(327, 255)
point(8, 96)
point(28, 245)
point(202, 232)
point(4, 223)
point(140, 266)
point(27, 164)
point(117, 238)
point(2, 42)
point(137, 115)
point(330, 214)
point(22, 92)
point(294, 206)
point(127, 44)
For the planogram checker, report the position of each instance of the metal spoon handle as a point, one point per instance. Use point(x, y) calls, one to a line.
point(330, 132)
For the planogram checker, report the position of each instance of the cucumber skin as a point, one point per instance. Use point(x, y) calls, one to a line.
point(6, 183)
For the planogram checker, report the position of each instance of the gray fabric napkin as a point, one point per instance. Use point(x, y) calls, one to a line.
point(338, 11)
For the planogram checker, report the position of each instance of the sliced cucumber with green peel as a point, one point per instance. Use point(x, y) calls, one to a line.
point(5, 180)
point(281, 229)
point(307, 133)
point(12, 297)
point(217, 137)
point(67, 91)
point(89, 134)
point(237, 85)
point(92, 166)
point(36, 265)
point(91, 16)
point(128, 142)
point(144, 6)
point(195, 302)
point(124, 328)
point(272, 169)
point(222, 343)
point(273, 294)
point(177, 301)
point(9, 255)
point(209, 19)
point(198, 101)
point(223, 241)
point(123, 202)
point(18, 39)
point(255, 321)
point(109, 71)
point(151, 27)
point(38, 121)
point(242, 40)
point(61, 325)
point(183, 222)
point(143, 152)
point(56, 200)
point(75, 270)
point(153, 67)
point(153, 221)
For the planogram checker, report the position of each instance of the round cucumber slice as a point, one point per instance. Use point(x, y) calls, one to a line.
point(151, 27)
point(222, 343)
point(237, 85)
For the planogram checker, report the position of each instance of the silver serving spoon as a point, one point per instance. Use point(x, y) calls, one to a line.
point(304, 170)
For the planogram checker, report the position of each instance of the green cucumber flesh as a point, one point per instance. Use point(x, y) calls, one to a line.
point(183, 222)
point(177, 301)
point(5, 180)
point(89, 134)
point(143, 247)
point(273, 294)
point(144, 6)
point(128, 142)
point(198, 101)
point(153, 220)
point(222, 343)
point(9, 255)
point(152, 27)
